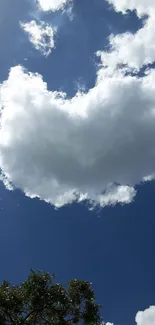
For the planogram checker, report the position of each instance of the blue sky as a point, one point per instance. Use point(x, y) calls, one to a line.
point(96, 145)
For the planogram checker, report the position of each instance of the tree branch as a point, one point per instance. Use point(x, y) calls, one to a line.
point(10, 317)
point(27, 316)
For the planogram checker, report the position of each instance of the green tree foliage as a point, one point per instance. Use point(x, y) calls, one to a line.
point(39, 300)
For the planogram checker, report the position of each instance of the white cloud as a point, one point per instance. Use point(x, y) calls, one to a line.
point(52, 5)
point(117, 194)
point(63, 150)
point(132, 50)
point(60, 149)
point(149, 178)
point(142, 7)
point(146, 317)
point(135, 50)
point(41, 35)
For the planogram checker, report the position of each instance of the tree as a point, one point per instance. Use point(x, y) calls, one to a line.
point(39, 300)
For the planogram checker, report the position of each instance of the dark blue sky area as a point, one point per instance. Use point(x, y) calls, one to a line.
point(114, 247)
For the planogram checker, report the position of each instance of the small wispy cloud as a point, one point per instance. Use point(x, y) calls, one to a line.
point(41, 35)
point(52, 5)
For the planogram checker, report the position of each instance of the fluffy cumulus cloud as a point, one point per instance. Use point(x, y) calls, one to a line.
point(146, 317)
point(55, 148)
point(52, 5)
point(97, 145)
point(132, 50)
point(41, 35)
point(117, 194)
point(142, 7)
